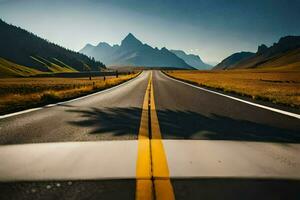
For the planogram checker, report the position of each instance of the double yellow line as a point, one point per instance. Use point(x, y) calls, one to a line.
point(152, 172)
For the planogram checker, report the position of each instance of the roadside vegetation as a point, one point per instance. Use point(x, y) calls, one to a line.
point(21, 93)
point(277, 86)
point(10, 69)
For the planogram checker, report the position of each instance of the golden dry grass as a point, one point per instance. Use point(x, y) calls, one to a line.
point(277, 86)
point(21, 93)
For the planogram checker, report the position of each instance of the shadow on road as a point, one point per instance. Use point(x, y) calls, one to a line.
point(184, 125)
point(116, 121)
point(191, 125)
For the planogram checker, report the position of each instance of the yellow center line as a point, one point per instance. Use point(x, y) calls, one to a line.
point(152, 172)
point(160, 170)
point(144, 185)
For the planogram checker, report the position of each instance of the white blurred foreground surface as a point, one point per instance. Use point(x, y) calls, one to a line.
point(117, 160)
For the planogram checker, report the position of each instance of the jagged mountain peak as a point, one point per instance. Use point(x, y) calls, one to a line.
point(132, 52)
point(130, 35)
point(88, 46)
point(164, 49)
point(103, 44)
point(131, 41)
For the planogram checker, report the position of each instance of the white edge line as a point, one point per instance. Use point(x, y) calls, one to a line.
point(64, 102)
point(237, 99)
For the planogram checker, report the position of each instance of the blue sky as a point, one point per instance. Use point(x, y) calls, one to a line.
point(213, 29)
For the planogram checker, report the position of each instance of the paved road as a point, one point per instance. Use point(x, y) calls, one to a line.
point(185, 112)
point(111, 115)
point(259, 142)
point(220, 145)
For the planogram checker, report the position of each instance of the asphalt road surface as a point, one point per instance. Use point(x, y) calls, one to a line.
point(186, 112)
point(217, 148)
point(111, 115)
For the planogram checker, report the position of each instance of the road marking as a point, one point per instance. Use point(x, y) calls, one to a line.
point(64, 102)
point(237, 99)
point(153, 181)
point(154, 120)
point(162, 184)
point(144, 189)
point(144, 185)
point(163, 189)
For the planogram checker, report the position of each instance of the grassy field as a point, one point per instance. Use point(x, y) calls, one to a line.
point(21, 93)
point(277, 86)
point(10, 69)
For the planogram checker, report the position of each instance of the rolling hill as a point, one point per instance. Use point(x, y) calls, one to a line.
point(23, 48)
point(232, 60)
point(285, 54)
point(132, 52)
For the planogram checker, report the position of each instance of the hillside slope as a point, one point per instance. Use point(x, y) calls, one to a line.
point(26, 49)
point(285, 54)
point(233, 59)
point(191, 59)
point(10, 69)
point(133, 52)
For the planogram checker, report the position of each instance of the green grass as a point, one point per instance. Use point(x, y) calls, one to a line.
point(65, 65)
point(53, 67)
point(10, 69)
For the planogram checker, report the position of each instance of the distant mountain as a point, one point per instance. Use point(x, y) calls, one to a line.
point(133, 52)
point(285, 54)
point(191, 59)
point(232, 60)
point(19, 47)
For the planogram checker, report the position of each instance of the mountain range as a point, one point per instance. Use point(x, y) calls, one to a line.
point(285, 54)
point(22, 52)
point(132, 52)
point(191, 59)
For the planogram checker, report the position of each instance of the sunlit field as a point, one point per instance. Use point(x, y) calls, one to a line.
point(280, 87)
point(20, 93)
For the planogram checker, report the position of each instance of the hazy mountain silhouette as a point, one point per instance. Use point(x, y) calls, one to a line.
point(232, 60)
point(24, 48)
point(191, 59)
point(133, 52)
point(285, 54)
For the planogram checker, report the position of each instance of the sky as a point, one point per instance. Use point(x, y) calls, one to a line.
point(212, 29)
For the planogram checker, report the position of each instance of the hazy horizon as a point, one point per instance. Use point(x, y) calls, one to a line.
point(211, 29)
